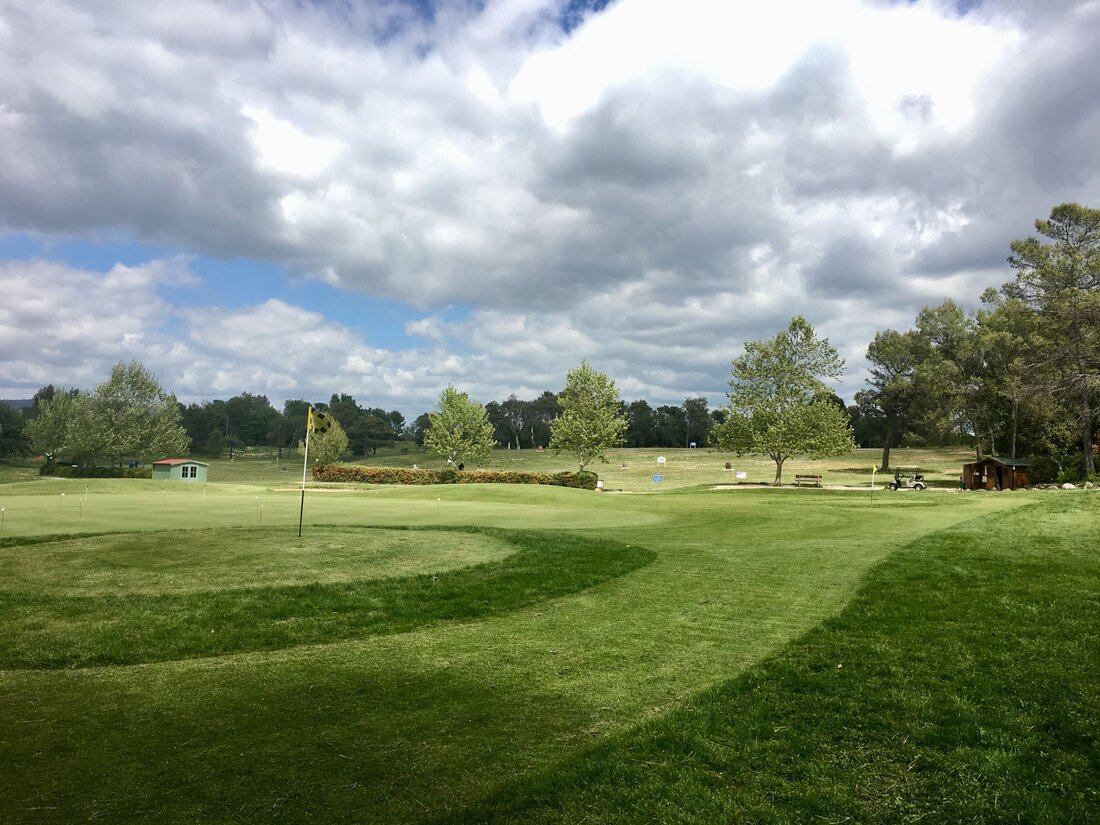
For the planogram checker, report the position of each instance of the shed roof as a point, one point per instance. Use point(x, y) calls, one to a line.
point(181, 461)
point(1005, 462)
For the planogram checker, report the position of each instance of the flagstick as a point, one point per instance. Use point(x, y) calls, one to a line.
point(874, 469)
point(305, 464)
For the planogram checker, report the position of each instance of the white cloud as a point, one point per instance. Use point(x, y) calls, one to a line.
point(648, 190)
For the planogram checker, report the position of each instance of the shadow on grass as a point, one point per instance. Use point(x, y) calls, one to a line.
point(309, 740)
point(43, 631)
point(960, 686)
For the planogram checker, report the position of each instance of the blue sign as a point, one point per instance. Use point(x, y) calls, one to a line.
point(658, 478)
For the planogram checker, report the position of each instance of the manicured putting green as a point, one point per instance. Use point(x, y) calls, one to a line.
point(127, 609)
point(206, 560)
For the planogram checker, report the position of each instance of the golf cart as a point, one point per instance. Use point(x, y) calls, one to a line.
point(907, 478)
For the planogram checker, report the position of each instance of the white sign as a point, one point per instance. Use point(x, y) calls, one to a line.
point(660, 461)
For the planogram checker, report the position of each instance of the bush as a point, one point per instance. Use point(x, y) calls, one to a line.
point(69, 471)
point(357, 474)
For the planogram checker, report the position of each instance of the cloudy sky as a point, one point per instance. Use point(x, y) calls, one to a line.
point(383, 197)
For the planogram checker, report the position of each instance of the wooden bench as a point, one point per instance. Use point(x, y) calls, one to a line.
point(798, 479)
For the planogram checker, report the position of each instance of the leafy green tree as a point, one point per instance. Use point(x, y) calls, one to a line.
point(778, 401)
point(697, 421)
point(460, 430)
point(43, 395)
point(893, 357)
point(215, 443)
point(669, 423)
point(197, 420)
point(419, 429)
point(327, 447)
point(1060, 281)
point(127, 417)
point(135, 417)
point(543, 412)
point(51, 430)
point(515, 415)
point(13, 443)
point(591, 418)
point(295, 412)
point(250, 417)
point(377, 432)
point(642, 429)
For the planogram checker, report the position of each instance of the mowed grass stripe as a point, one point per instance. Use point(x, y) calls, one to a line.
point(43, 631)
point(961, 685)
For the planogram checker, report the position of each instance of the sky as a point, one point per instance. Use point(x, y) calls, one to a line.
point(383, 198)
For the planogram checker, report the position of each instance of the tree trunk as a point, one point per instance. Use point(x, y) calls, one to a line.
point(1015, 416)
point(778, 472)
point(886, 447)
point(1086, 437)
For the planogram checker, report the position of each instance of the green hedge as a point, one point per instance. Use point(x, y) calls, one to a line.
point(68, 471)
point(359, 474)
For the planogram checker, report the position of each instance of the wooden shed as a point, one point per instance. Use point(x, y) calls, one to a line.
point(179, 469)
point(992, 473)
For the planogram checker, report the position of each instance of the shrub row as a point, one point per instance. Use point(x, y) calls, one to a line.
point(399, 475)
point(68, 471)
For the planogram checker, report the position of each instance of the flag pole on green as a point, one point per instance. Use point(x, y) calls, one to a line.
point(316, 422)
point(874, 469)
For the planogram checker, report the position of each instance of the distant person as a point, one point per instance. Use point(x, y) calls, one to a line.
point(461, 466)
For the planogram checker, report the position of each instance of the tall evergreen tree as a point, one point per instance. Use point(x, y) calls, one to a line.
point(1059, 279)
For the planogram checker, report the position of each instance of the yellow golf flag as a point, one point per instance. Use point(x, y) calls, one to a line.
point(318, 422)
point(874, 468)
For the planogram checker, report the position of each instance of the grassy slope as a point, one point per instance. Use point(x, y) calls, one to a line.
point(404, 727)
point(962, 685)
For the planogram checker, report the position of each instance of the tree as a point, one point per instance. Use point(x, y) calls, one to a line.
point(642, 429)
point(327, 447)
point(773, 410)
point(514, 417)
point(668, 421)
point(460, 430)
point(127, 417)
point(697, 421)
point(136, 418)
point(543, 412)
point(377, 432)
point(1060, 282)
point(591, 418)
point(13, 444)
point(893, 357)
point(215, 443)
point(420, 426)
point(250, 417)
point(51, 430)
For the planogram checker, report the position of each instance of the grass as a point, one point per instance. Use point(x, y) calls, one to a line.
point(633, 469)
point(101, 620)
point(510, 713)
point(961, 685)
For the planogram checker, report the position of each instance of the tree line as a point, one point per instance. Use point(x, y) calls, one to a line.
point(1018, 377)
